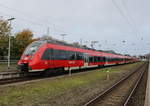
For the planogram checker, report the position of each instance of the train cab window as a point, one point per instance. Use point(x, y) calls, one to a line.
point(33, 47)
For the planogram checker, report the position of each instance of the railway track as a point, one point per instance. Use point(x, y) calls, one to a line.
point(15, 74)
point(119, 94)
point(13, 77)
point(8, 75)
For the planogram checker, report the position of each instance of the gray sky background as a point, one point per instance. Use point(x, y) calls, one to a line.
point(89, 20)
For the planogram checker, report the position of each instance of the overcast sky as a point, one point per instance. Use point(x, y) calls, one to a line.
point(110, 23)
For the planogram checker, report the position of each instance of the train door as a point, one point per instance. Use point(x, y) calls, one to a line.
point(86, 59)
point(51, 57)
point(106, 60)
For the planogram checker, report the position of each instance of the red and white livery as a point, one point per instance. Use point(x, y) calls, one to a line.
point(42, 55)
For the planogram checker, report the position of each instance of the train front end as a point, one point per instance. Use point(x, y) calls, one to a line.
point(29, 57)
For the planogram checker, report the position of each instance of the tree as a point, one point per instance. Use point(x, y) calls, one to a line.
point(4, 33)
point(22, 40)
point(46, 37)
point(76, 44)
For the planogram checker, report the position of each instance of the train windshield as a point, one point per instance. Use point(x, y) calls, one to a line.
point(32, 48)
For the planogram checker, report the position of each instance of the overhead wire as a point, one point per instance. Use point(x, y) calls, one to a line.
point(134, 24)
point(124, 15)
point(52, 25)
point(130, 17)
point(40, 22)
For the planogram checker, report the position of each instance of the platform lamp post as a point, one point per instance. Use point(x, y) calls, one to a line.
point(100, 46)
point(10, 19)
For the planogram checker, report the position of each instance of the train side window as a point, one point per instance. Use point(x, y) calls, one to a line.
point(85, 57)
point(96, 58)
point(56, 54)
point(79, 56)
point(113, 59)
point(71, 55)
point(108, 59)
point(63, 55)
point(104, 59)
point(90, 59)
point(99, 59)
point(60, 55)
point(46, 55)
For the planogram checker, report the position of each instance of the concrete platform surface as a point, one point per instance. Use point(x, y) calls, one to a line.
point(147, 96)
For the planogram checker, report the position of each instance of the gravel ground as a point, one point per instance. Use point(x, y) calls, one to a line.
point(3, 67)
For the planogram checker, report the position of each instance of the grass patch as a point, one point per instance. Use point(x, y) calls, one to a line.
point(38, 92)
point(4, 66)
point(107, 69)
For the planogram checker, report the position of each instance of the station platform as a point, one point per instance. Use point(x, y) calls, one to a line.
point(147, 96)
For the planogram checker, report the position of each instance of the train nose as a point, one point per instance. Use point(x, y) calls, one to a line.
point(23, 67)
point(23, 64)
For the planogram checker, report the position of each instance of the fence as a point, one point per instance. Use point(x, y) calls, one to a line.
point(6, 61)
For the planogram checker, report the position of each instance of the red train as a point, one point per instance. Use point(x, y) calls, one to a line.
point(42, 55)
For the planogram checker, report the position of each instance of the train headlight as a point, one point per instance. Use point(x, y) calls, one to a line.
point(30, 58)
point(26, 58)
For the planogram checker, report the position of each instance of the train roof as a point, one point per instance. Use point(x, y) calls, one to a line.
point(92, 52)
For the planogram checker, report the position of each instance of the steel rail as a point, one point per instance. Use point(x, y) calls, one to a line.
point(12, 73)
point(134, 88)
point(102, 94)
point(9, 75)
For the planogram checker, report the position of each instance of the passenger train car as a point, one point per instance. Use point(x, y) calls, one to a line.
point(43, 55)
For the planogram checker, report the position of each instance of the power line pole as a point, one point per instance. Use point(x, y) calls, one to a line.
point(93, 43)
point(63, 36)
point(80, 42)
point(48, 31)
point(9, 42)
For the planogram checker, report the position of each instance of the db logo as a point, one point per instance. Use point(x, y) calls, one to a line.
point(46, 62)
point(26, 58)
point(71, 62)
